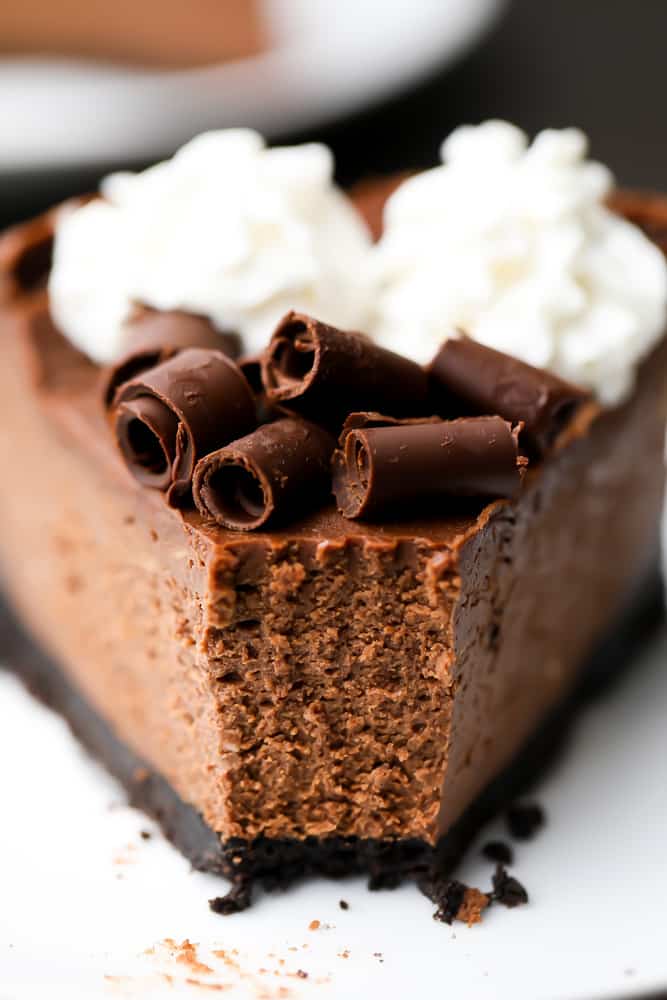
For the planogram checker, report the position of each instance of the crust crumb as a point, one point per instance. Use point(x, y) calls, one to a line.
point(208, 986)
point(473, 905)
point(187, 955)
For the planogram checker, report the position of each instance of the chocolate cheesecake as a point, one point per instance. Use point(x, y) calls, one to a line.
point(164, 35)
point(290, 680)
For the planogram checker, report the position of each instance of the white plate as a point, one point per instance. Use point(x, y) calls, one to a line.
point(329, 59)
point(86, 904)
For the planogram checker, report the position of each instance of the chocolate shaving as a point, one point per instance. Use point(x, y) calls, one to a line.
point(152, 337)
point(176, 329)
point(448, 895)
point(26, 252)
point(498, 850)
point(385, 467)
point(270, 474)
point(324, 373)
point(25, 257)
point(169, 416)
point(507, 889)
point(524, 820)
point(237, 899)
point(477, 379)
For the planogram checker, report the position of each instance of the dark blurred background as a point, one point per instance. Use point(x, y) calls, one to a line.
point(598, 64)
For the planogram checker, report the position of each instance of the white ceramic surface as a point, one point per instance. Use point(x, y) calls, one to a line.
point(329, 59)
point(86, 904)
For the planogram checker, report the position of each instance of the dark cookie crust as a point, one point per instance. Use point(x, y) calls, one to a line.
point(276, 863)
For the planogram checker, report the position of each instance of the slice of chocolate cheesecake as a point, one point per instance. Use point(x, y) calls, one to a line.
point(321, 694)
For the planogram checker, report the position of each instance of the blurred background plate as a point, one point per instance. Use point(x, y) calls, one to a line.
point(57, 113)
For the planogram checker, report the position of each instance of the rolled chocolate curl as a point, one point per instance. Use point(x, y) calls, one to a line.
point(389, 468)
point(324, 373)
point(271, 474)
point(167, 417)
point(25, 257)
point(483, 380)
point(152, 336)
point(26, 251)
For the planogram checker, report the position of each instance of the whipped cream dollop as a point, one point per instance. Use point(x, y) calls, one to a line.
point(227, 229)
point(510, 242)
point(513, 244)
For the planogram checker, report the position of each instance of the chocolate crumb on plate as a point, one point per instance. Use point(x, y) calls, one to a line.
point(524, 820)
point(498, 850)
point(448, 895)
point(237, 899)
point(382, 879)
point(344, 905)
point(507, 889)
point(145, 835)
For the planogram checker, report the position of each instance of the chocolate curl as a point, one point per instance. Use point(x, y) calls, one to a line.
point(152, 337)
point(325, 373)
point(26, 252)
point(177, 329)
point(269, 475)
point(167, 417)
point(25, 257)
point(487, 381)
point(388, 467)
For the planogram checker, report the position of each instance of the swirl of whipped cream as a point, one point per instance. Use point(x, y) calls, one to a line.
point(227, 229)
point(513, 244)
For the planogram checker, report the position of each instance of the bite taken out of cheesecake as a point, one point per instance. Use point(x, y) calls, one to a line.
point(311, 604)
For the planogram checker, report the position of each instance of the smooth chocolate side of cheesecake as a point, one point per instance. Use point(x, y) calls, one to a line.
point(547, 579)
